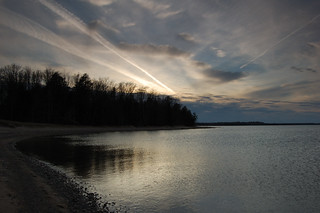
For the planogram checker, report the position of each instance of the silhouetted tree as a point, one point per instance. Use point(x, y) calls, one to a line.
point(48, 96)
point(57, 98)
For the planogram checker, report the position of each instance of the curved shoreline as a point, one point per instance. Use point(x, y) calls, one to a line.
point(29, 185)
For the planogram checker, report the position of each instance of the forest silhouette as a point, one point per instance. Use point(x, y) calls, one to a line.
point(47, 96)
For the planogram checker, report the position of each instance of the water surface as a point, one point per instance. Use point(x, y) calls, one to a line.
point(225, 169)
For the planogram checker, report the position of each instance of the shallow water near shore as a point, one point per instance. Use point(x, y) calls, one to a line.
point(225, 169)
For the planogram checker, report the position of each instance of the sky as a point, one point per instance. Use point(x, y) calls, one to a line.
point(226, 60)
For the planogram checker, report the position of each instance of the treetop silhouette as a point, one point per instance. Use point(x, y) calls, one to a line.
point(50, 97)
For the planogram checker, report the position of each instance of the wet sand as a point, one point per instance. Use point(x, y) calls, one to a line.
point(28, 185)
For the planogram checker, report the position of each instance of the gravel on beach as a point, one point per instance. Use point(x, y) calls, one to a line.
point(30, 185)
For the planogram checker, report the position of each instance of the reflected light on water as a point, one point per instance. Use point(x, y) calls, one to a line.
point(230, 169)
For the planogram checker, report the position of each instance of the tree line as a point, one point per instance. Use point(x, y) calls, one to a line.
point(47, 96)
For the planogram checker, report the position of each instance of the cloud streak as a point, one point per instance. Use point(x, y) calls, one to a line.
point(300, 69)
point(161, 11)
point(293, 91)
point(101, 2)
point(154, 49)
point(280, 41)
point(96, 24)
point(24, 25)
point(68, 16)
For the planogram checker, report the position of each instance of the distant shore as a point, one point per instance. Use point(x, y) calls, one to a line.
point(27, 185)
point(252, 123)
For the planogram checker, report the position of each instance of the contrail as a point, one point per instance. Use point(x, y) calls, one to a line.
point(74, 20)
point(26, 26)
point(281, 40)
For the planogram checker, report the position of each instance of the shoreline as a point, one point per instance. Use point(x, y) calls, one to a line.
point(29, 185)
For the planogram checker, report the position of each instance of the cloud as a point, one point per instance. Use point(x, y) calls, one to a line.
point(152, 5)
point(300, 69)
point(218, 52)
point(213, 74)
point(96, 24)
point(310, 50)
point(64, 25)
point(216, 112)
point(278, 92)
point(154, 49)
point(221, 53)
point(223, 76)
point(314, 45)
point(166, 14)
point(281, 40)
point(212, 107)
point(161, 11)
point(101, 2)
point(186, 37)
point(128, 24)
point(302, 90)
point(200, 64)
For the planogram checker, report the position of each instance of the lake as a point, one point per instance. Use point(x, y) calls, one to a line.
point(224, 169)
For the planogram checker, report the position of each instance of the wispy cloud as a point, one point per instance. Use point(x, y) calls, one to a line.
point(167, 14)
point(292, 91)
point(128, 24)
point(160, 10)
point(100, 2)
point(153, 5)
point(221, 53)
point(223, 76)
point(96, 24)
point(64, 25)
point(300, 69)
point(218, 76)
point(186, 37)
point(153, 49)
point(280, 41)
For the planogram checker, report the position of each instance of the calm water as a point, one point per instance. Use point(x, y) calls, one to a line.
point(226, 169)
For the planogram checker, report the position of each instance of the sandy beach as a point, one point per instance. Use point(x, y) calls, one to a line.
point(28, 185)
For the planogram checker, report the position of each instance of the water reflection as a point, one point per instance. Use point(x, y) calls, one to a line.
point(84, 160)
point(232, 169)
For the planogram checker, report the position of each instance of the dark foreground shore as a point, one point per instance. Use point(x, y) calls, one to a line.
point(28, 185)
